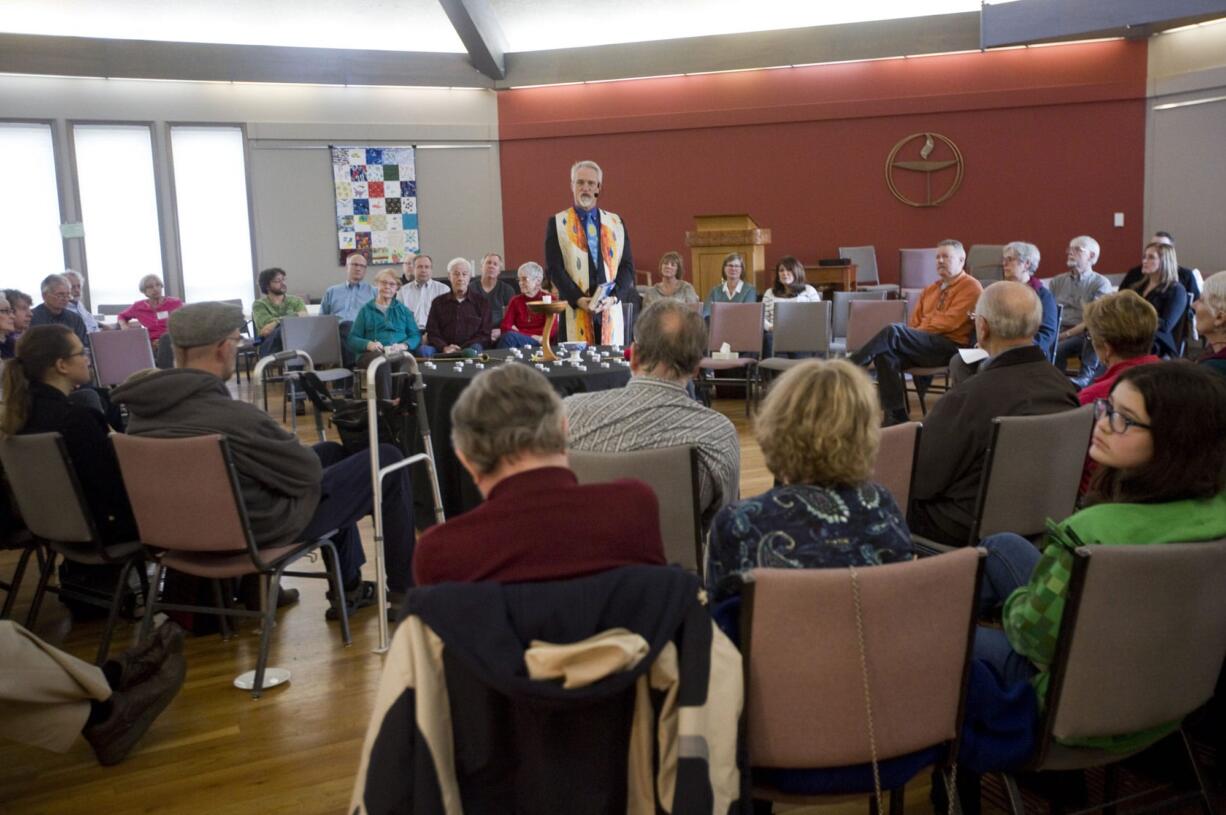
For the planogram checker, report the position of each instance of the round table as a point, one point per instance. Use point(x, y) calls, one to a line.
point(446, 379)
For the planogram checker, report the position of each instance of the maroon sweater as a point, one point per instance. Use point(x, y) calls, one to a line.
point(543, 525)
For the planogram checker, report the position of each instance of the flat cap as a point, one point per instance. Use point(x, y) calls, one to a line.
point(204, 323)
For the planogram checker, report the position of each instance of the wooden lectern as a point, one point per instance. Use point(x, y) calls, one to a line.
point(717, 236)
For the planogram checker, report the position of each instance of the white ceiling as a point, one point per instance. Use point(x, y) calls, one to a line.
point(421, 25)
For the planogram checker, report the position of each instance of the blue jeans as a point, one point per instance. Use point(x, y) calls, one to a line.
point(1010, 562)
point(514, 339)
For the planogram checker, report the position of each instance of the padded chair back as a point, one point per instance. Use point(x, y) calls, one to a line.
point(1032, 472)
point(842, 308)
point(895, 468)
point(318, 335)
point(1116, 279)
point(805, 696)
point(802, 327)
point(672, 472)
point(985, 262)
point(1142, 639)
point(113, 309)
point(195, 480)
point(867, 317)
point(865, 258)
point(45, 488)
point(738, 324)
point(119, 354)
point(917, 267)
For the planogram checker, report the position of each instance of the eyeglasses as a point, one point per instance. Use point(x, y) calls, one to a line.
point(1118, 422)
point(6, 310)
point(80, 353)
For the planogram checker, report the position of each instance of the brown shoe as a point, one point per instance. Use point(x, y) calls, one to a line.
point(143, 660)
point(133, 710)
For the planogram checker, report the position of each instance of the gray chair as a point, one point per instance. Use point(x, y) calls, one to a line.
point(800, 328)
point(896, 457)
point(984, 262)
point(319, 336)
point(119, 354)
point(840, 313)
point(739, 325)
point(113, 309)
point(672, 472)
point(1031, 472)
point(867, 276)
point(1116, 279)
point(53, 506)
point(1140, 646)
point(917, 268)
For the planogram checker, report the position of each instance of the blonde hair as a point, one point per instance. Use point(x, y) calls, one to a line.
point(1168, 266)
point(1124, 320)
point(820, 424)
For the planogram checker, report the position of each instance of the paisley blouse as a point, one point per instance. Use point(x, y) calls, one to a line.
point(801, 526)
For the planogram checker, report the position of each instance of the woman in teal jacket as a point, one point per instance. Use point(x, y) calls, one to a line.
point(384, 326)
point(1160, 440)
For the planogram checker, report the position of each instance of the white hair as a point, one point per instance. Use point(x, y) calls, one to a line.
point(1214, 292)
point(53, 280)
point(454, 262)
point(533, 270)
point(586, 164)
point(1089, 244)
point(1027, 253)
point(957, 245)
point(73, 273)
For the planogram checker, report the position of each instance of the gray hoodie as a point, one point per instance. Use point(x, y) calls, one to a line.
point(279, 477)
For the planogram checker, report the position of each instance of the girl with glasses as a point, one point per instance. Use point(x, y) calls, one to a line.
point(1159, 439)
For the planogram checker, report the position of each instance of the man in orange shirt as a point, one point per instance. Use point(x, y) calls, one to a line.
point(940, 325)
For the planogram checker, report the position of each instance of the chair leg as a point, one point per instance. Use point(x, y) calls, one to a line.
point(898, 800)
point(1111, 787)
point(269, 599)
point(41, 590)
point(15, 585)
point(1202, 791)
point(332, 564)
point(223, 619)
point(122, 583)
point(146, 622)
point(1017, 806)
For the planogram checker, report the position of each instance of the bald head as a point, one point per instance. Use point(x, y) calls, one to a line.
point(1012, 312)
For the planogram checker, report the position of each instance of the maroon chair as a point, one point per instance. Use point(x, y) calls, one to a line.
point(192, 519)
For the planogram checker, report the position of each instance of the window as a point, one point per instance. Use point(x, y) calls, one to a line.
point(211, 200)
point(119, 211)
point(29, 221)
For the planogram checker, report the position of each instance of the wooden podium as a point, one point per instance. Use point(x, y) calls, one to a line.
point(717, 236)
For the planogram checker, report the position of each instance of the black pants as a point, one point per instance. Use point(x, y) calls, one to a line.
point(897, 347)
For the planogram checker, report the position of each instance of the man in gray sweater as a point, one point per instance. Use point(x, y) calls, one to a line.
point(291, 492)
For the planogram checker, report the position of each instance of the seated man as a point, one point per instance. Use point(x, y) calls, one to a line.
point(291, 493)
point(345, 300)
point(57, 297)
point(937, 329)
point(537, 521)
point(48, 697)
point(276, 304)
point(654, 410)
point(1015, 380)
point(1074, 289)
point(459, 320)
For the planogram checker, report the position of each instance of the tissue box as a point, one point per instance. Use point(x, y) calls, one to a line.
point(725, 355)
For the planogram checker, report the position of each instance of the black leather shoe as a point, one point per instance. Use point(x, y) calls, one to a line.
point(142, 660)
point(133, 710)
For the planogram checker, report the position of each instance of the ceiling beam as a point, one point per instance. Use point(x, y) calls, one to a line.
point(477, 25)
point(1034, 21)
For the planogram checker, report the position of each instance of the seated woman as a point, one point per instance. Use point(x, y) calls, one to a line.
point(8, 329)
point(1121, 326)
point(819, 429)
point(51, 363)
point(789, 285)
point(671, 286)
point(153, 312)
point(1159, 439)
point(1211, 322)
point(384, 326)
point(1159, 284)
point(522, 328)
point(733, 289)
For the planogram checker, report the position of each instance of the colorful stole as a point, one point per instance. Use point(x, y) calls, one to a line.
point(577, 262)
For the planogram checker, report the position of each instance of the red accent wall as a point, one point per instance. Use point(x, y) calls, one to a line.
point(1053, 140)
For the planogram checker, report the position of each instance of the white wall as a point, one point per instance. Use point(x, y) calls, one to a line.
point(1185, 176)
point(289, 128)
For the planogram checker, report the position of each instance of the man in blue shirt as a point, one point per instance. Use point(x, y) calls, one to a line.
point(346, 299)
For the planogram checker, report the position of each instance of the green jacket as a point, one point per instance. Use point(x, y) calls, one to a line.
point(1033, 612)
point(396, 325)
point(263, 312)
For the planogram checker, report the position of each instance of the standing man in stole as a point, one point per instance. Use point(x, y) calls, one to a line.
point(586, 247)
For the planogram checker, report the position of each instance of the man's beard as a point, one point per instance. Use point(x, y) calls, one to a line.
point(587, 201)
